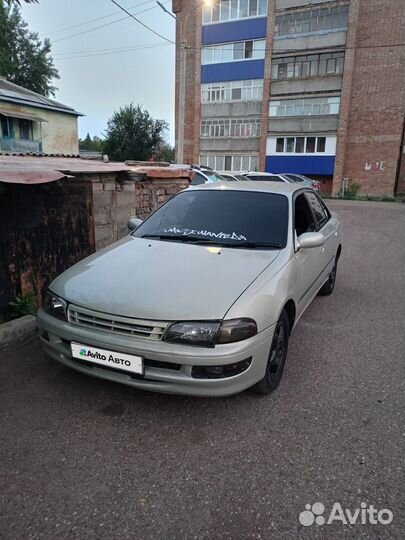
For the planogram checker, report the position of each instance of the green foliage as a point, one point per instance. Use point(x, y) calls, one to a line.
point(351, 190)
point(24, 305)
point(165, 152)
point(24, 59)
point(88, 143)
point(133, 134)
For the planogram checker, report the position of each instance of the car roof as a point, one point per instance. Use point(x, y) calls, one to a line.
point(261, 173)
point(283, 188)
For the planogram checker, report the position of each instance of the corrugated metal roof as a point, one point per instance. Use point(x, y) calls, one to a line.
point(38, 170)
point(12, 93)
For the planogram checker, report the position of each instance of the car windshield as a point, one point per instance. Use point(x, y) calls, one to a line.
point(214, 177)
point(223, 217)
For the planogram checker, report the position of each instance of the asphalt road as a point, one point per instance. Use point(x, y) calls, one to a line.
point(85, 459)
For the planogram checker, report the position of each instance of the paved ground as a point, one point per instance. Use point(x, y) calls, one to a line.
point(87, 459)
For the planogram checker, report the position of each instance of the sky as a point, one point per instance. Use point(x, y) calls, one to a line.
point(96, 80)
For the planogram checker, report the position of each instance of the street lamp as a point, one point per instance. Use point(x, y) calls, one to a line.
point(182, 74)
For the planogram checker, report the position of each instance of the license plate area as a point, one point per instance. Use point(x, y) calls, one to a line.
point(110, 359)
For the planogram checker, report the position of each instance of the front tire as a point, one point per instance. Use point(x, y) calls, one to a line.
point(277, 357)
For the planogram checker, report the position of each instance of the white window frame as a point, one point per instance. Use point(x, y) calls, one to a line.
point(315, 106)
point(230, 10)
point(220, 53)
point(239, 162)
point(230, 127)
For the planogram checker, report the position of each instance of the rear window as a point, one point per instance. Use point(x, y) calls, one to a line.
point(264, 178)
point(225, 217)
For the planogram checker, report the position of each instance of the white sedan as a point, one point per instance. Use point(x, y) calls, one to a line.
point(201, 298)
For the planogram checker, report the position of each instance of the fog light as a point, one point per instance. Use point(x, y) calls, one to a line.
point(220, 372)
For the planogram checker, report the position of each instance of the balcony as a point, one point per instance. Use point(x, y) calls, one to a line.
point(10, 144)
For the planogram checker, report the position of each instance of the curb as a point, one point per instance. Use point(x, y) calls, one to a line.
point(17, 329)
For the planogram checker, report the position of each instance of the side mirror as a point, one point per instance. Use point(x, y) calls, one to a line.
point(134, 223)
point(311, 240)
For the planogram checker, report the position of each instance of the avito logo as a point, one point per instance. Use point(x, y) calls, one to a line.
point(314, 513)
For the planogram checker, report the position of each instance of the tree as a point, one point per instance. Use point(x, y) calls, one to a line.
point(133, 134)
point(165, 152)
point(24, 59)
point(88, 143)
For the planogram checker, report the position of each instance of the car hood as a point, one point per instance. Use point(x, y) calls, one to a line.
point(162, 280)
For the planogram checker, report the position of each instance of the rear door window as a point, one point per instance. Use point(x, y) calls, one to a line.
point(318, 208)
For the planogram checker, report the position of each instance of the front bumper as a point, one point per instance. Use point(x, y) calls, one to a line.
point(168, 366)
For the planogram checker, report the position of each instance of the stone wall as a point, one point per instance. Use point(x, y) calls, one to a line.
point(120, 196)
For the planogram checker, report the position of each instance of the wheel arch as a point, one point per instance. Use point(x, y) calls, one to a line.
point(290, 309)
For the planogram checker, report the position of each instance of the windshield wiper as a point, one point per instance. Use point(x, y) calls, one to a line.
point(182, 238)
point(253, 245)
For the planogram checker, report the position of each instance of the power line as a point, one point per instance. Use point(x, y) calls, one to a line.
point(107, 49)
point(143, 24)
point(113, 51)
point(101, 26)
point(88, 21)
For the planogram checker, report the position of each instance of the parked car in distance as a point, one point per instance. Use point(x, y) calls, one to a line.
point(201, 298)
point(303, 180)
point(204, 175)
point(266, 177)
point(230, 177)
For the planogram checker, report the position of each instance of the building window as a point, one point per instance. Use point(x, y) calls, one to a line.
point(314, 65)
point(311, 21)
point(249, 90)
point(5, 126)
point(231, 52)
point(228, 10)
point(25, 128)
point(300, 145)
point(305, 106)
point(231, 127)
point(280, 144)
point(234, 163)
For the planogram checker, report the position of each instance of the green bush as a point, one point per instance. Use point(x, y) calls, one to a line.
point(24, 305)
point(351, 190)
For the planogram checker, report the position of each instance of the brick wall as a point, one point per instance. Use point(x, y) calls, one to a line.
point(189, 29)
point(373, 97)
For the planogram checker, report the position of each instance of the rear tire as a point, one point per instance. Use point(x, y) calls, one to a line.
point(329, 286)
point(277, 357)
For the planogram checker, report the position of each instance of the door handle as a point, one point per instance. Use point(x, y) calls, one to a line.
point(322, 250)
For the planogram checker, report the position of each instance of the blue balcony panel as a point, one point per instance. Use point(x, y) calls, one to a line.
point(225, 32)
point(233, 71)
point(323, 165)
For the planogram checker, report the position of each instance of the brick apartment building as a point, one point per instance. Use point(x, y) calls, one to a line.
point(315, 87)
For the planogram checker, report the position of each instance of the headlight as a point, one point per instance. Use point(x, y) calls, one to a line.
point(192, 333)
point(55, 306)
point(208, 334)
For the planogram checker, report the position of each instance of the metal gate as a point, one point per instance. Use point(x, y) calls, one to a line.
point(44, 229)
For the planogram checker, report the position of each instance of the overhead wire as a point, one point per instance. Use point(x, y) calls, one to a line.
point(88, 21)
point(141, 23)
point(104, 25)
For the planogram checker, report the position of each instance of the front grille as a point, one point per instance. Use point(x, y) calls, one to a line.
point(116, 324)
